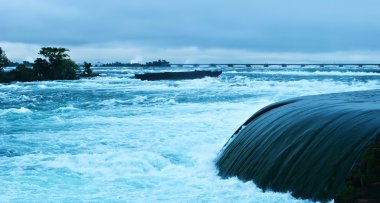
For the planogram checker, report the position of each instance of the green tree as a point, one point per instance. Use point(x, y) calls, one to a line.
point(56, 65)
point(54, 54)
point(22, 73)
point(68, 70)
point(41, 68)
point(87, 68)
point(3, 60)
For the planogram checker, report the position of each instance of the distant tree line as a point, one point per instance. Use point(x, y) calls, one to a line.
point(120, 64)
point(54, 64)
point(15, 64)
point(158, 63)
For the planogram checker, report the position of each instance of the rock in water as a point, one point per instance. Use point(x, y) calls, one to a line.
point(178, 75)
point(307, 145)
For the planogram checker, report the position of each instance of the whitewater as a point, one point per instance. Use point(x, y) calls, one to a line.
point(114, 138)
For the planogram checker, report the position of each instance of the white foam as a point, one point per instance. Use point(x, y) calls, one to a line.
point(144, 141)
point(66, 108)
point(139, 99)
point(21, 110)
point(42, 86)
point(10, 86)
point(3, 95)
point(111, 102)
point(310, 73)
point(163, 100)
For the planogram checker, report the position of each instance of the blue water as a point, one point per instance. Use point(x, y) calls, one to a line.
point(117, 139)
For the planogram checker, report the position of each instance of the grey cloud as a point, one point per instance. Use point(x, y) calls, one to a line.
point(294, 25)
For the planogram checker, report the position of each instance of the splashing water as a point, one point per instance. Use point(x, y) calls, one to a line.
point(118, 139)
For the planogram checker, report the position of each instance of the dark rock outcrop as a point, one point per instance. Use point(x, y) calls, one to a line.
point(178, 75)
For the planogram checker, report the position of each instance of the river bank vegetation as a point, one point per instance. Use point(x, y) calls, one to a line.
point(54, 64)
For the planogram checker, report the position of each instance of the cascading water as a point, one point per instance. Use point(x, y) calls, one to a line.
point(114, 138)
point(307, 145)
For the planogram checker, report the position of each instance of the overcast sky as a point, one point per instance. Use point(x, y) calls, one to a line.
point(194, 30)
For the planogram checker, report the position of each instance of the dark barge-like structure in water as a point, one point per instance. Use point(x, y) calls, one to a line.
point(197, 74)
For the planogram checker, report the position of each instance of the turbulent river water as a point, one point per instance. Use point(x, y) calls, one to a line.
point(114, 138)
